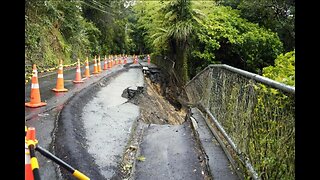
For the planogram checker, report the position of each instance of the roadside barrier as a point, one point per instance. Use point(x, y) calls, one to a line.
point(31, 164)
point(105, 63)
point(60, 80)
point(99, 64)
point(87, 71)
point(28, 75)
point(111, 63)
point(35, 98)
point(95, 68)
point(78, 78)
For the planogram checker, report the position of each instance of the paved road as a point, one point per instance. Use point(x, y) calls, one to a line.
point(91, 126)
point(45, 118)
point(170, 153)
point(96, 125)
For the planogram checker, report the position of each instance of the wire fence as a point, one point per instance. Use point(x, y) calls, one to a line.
point(255, 117)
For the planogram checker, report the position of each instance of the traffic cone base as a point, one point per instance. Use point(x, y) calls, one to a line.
point(28, 104)
point(60, 90)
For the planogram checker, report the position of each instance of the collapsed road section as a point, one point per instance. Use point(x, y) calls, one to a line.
point(123, 128)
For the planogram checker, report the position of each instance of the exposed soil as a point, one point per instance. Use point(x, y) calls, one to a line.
point(155, 108)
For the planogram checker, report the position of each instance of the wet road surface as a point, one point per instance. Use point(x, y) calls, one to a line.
point(108, 119)
point(95, 126)
point(169, 154)
point(45, 119)
point(90, 127)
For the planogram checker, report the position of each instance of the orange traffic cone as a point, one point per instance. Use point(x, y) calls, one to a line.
point(99, 64)
point(105, 65)
point(95, 68)
point(28, 174)
point(87, 71)
point(60, 80)
point(78, 74)
point(109, 62)
point(125, 60)
point(148, 59)
point(35, 99)
point(120, 62)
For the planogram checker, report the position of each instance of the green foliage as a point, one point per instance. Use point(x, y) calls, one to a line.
point(69, 30)
point(272, 148)
point(204, 33)
point(283, 70)
point(148, 24)
point(111, 18)
point(279, 16)
point(57, 30)
point(227, 38)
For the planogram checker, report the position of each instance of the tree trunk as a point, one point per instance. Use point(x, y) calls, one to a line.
point(182, 64)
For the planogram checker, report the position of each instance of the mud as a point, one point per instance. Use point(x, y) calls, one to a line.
point(155, 108)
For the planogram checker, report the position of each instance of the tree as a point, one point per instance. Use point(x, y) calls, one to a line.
point(225, 37)
point(178, 25)
point(279, 16)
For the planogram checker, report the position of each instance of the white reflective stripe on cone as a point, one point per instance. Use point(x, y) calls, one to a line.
point(27, 156)
point(60, 75)
point(78, 70)
point(34, 86)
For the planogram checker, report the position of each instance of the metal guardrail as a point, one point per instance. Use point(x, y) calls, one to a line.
point(267, 81)
point(254, 115)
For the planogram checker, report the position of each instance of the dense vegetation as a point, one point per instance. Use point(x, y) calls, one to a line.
point(246, 34)
point(284, 69)
point(71, 29)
